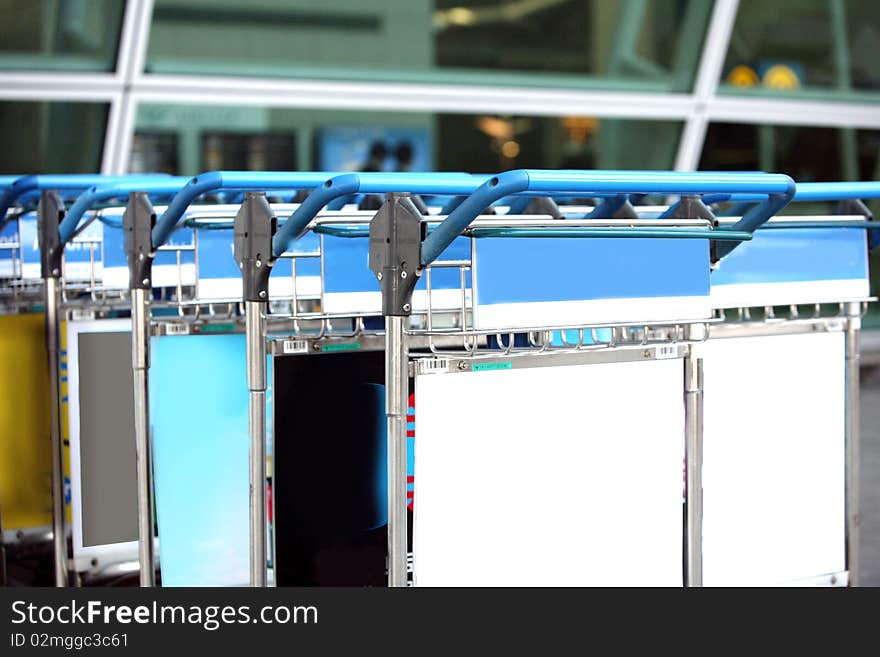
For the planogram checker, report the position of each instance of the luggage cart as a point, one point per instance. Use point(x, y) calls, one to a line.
point(179, 279)
point(21, 290)
point(257, 247)
point(140, 212)
point(49, 189)
point(338, 187)
point(804, 503)
point(397, 212)
point(144, 236)
point(19, 302)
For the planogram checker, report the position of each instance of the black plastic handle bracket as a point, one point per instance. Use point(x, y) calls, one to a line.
point(137, 224)
point(396, 234)
point(50, 213)
point(255, 226)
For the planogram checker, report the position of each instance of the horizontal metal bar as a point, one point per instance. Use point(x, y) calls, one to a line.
point(653, 233)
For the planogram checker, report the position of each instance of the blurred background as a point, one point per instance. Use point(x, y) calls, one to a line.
point(184, 86)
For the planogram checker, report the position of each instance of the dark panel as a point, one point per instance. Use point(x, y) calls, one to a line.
point(107, 449)
point(330, 470)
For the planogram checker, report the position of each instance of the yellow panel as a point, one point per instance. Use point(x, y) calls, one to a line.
point(25, 450)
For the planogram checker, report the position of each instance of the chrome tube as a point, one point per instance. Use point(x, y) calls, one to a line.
point(140, 362)
point(53, 327)
point(693, 408)
point(396, 402)
point(852, 438)
point(255, 329)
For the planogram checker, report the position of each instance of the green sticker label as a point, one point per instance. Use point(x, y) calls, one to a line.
point(486, 367)
point(217, 328)
point(340, 346)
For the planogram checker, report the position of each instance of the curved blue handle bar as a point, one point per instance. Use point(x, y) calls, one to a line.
point(26, 184)
point(778, 190)
point(370, 183)
point(237, 180)
point(85, 201)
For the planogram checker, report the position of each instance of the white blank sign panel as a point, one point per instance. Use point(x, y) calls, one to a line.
point(773, 459)
point(551, 476)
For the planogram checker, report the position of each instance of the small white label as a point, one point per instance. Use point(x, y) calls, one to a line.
point(295, 347)
point(666, 351)
point(177, 328)
point(78, 314)
point(433, 365)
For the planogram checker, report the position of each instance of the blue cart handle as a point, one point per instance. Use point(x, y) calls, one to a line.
point(824, 191)
point(72, 182)
point(85, 201)
point(777, 191)
point(230, 180)
point(456, 184)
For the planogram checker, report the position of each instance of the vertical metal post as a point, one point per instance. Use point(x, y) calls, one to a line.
point(255, 226)
point(396, 234)
point(396, 401)
point(50, 212)
point(693, 405)
point(852, 437)
point(255, 328)
point(140, 360)
point(59, 536)
point(138, 222)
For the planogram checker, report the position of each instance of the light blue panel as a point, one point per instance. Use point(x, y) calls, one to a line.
point(199, 414)
point(347, 267)
point(114, 248)
point(571, 337)
point(78, 252)
point(522, 270)
point(216, 259)
point(8, 236)
point(73, 252)
point(780, 255)
point(30, 248)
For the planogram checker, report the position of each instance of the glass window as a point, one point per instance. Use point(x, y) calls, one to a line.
point(821, 47)
point(806, 154)
point(190, 139)
point(60, 35)
point(52, 137)
point(646, 44)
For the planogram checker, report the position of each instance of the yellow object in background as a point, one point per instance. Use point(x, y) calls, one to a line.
point(743, 76)
point(25, 449)
point(780, 76)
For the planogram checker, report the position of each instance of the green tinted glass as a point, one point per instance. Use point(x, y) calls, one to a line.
point(60, 35)
point(190, 139)
point(52, 137)
point(651, 44)
point(806, 154)
point(824, 48)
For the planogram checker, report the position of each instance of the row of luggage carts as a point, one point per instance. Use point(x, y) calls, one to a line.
point(622, 377)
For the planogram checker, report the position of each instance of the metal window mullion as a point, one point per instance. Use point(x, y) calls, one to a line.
point(706, 84)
